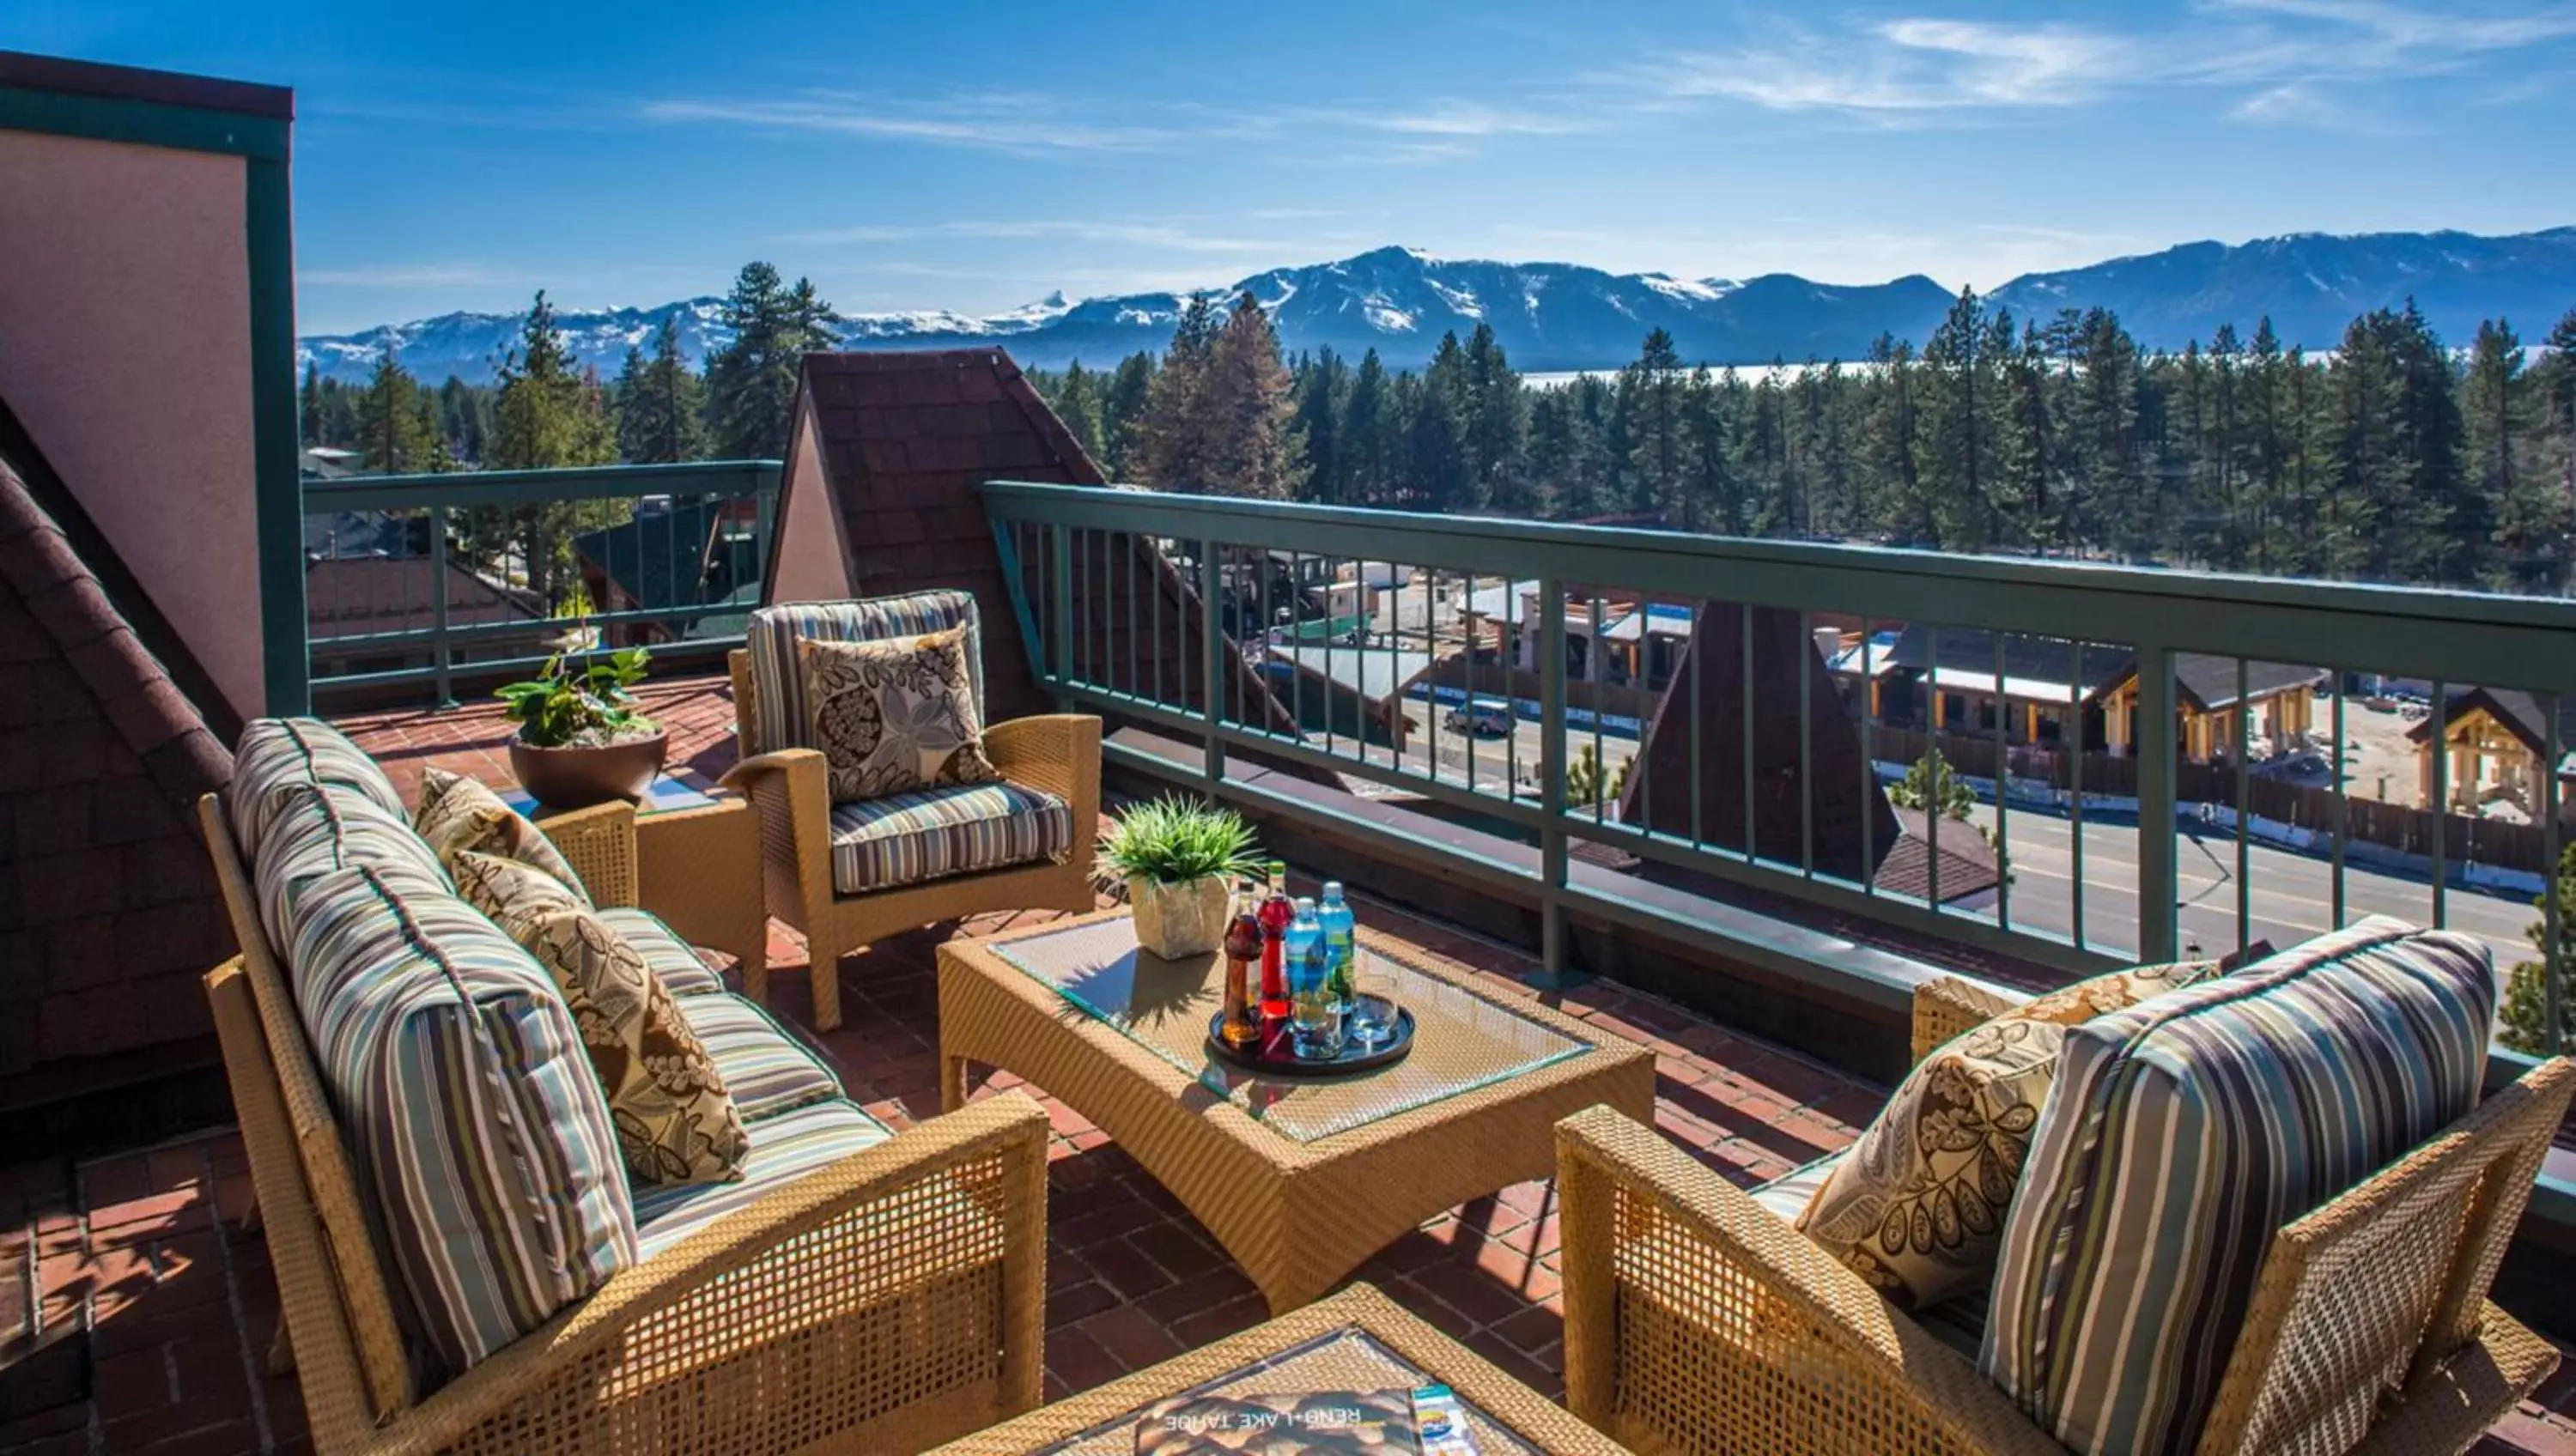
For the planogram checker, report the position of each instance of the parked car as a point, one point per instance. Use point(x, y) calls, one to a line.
point(2306, 769)
point(1483, 718)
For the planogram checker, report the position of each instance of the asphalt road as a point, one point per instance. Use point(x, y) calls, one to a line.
point(2291, 899)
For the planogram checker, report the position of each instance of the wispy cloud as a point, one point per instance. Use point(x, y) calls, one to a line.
point(1473, 119)
point(1170, 236)
point(406, 275)
point(989, 121)
point(2282, 53)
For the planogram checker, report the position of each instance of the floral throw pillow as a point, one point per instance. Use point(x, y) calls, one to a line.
point(1917, 1207)
point(676, 1121)
point(895, 714)
point(458, 814)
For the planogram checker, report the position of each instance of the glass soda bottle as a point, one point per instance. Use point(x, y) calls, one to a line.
point(1243, 952)
point(1277, 913)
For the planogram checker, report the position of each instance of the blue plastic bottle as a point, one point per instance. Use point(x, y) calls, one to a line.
point(1341, 941)
point(1316, 1014)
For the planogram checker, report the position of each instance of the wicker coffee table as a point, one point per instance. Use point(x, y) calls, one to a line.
point(1300, 1179)
point(1356, 1340)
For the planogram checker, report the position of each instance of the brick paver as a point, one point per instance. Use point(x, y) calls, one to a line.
point(144, 1252)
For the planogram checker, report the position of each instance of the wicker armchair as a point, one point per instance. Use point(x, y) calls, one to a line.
point(1698, 1321)
point(886, 1302)
point(1058, 753)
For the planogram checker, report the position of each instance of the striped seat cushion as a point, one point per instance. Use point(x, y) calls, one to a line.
point(785, 719)
point(476, 1124)
point(1789, 1194)
point(954, 829)
point(315, 828)
point(764, 1066)
point(783, 1149)
point(2182, 1133)
point(277, 754)
point(676, 963)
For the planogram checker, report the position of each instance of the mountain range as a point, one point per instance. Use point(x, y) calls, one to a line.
point(1564, 316)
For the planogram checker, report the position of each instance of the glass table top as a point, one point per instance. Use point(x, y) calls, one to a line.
point(1345, 1360)
point(1462, 1041)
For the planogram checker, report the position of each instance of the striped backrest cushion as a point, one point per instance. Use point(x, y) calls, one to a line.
point(315, 828)
point(277, 754)
point(479, 1131)
point(2183, 1133)
point(778, 676)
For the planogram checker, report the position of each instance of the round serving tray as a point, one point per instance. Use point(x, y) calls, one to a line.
point(1354, 1057)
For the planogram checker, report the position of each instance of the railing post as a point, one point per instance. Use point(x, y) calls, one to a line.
point(1211, 658)
point(2159, 880)
point(1551, 776)
point(438, 604)
point(1060, 608)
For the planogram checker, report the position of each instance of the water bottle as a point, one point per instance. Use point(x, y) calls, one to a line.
point(1364, 1017)
point(1316, 1013)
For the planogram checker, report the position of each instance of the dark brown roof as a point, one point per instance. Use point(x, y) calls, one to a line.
point(2521, 714)
point(34, 476)
point(906, 437)
point(108, 911)
point(1967, 861)
point(133, 83)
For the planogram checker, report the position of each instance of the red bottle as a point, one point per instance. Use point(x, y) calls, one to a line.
point(1277, 912)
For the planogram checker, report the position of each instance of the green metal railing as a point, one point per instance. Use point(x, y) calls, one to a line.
point(1131, 603)
point(416, 581)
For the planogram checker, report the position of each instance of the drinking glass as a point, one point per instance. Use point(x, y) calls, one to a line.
point(1373, 1014)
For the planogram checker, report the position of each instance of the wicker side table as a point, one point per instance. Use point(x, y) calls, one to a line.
point(1357, 1340)
point(696, 866)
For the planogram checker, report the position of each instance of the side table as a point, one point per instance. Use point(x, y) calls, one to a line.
point(697, 868)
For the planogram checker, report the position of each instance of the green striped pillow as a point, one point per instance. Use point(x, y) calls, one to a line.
point(2183, 1133)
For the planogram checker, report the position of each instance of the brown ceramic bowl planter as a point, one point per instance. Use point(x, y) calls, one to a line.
point(576, 776)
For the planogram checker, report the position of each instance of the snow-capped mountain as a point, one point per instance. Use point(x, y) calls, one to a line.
point(1555, 316)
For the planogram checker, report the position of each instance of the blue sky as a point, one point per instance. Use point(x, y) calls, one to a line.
point(974, 157)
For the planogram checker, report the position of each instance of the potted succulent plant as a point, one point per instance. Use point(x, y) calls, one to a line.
point(581, 740)
point(1177, 858)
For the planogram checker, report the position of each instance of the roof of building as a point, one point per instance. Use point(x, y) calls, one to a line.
point(2034, 667)
point(905, 437)
point(672, 558)
point(107, 904)
point(2207, 682)
point(1373, 673)
point(2521, 714)
point(34, 476)
point(394, 592)
point(1968, 865)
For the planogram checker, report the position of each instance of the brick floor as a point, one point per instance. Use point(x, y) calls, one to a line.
point(143, 1251)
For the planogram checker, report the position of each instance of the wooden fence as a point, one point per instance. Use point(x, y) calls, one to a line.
point(2400, 827)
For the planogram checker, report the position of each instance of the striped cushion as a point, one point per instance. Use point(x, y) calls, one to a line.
point(275, 754)
point(783, 1149)
point(765, 1067)
point(476, 1123)
point(676, 964)
point(2181, 1135)
point(778, 678)
point(1789, 1194)
point(314, 828)
point(904, 839)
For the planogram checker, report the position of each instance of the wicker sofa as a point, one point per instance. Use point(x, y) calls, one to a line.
point(856, 1291)
point(1697, 1319)
point(945, 868)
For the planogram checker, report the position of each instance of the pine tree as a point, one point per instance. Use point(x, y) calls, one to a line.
point(661, 405)
point(547, 416)
point(393, 439)
point(1323, 386)
point(1891, 445)
point(1497, 423)
point(751, 382)
point(1122, 415)
point(1367, 426)
point(308, 405)
point(1657, 450)
point(1956, 446)
point(1077, 402)
point(1176, 449)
